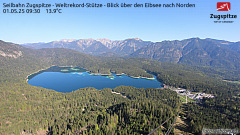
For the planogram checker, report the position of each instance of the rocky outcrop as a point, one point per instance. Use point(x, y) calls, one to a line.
point(14, 54)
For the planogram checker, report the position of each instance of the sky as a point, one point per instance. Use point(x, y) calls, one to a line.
point(148, 24)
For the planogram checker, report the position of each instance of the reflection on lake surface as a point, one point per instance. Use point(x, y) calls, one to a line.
point(70, 79)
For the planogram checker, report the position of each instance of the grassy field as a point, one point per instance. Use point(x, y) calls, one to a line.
point(238, 82)
point(183, 99)
point(181, 127)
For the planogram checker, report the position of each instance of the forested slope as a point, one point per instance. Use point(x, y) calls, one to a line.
point(30, 109)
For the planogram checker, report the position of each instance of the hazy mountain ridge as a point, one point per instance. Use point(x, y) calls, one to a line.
point(235, 47)
point(37, 108)
point(95, 47)
point(193, 51)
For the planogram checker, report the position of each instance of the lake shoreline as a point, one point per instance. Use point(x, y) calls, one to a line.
point(42, 70)
point(110, 75)
point(48, 78)
point(27, 78)
point(136, 77)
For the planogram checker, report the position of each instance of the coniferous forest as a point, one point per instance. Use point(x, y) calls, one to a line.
point(35, 110)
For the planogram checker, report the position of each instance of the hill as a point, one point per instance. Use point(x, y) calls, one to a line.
point(214, 53)
point(95, 47)
point(27, 109)
point(198, 52)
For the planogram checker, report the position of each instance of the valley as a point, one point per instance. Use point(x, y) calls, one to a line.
point(68, 79)
point(29, 109)
point(214, 53)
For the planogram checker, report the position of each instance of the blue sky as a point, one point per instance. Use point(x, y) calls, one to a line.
point(150, 24)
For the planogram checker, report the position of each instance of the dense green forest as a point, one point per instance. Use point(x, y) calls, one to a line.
point(213, 113)
point(30, 109)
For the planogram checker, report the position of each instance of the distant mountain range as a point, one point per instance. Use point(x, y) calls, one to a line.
point(216, 58)
point(193, 51)
point(95, 47)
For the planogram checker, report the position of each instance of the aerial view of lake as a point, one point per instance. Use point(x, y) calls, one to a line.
point(71, 79)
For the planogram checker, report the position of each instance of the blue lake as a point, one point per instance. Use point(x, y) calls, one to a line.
point(71, 81)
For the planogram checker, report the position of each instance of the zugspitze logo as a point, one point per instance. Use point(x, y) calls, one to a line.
point(223, 6)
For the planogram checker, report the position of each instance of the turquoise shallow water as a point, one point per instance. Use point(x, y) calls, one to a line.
point(67, 82)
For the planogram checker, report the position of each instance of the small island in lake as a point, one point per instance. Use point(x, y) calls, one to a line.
point(111, 76)
point(64, 70)
point(68, 80)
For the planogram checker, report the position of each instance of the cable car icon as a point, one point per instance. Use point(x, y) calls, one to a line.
point(223, 6)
